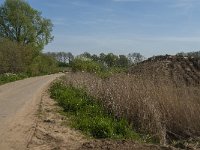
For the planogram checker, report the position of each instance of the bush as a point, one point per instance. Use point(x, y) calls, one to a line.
point(15, 58)
point(42, 65)
point(86, 65)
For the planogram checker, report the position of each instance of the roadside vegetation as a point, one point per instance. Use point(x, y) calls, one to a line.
point(88, 114)
point(157, 97)
point(9, 77)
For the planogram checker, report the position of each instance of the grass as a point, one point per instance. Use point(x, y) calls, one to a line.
point(9, 77)
point(89, 116)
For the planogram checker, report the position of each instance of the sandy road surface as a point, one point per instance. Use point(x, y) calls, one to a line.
point(18, 105)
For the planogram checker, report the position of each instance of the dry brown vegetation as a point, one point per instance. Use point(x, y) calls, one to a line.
point(159, 96)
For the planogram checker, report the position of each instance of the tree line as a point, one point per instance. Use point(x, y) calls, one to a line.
point(109, 60)
point(23, 35)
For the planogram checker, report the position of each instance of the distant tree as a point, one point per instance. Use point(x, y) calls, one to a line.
point(62, 57)
point(122, 61)
point(86, 55)
point(189, 54)
point(111, 60)
point(70, 57)
point(181, 54)
point(95, 58)
point(102, 57)
point(135, 58)
point(21, 23)
point(59, 56)
point(194, 54)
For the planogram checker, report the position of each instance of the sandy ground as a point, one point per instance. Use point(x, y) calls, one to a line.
point(52, 131)
point(18, 103)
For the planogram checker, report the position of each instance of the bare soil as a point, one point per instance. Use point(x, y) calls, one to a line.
point(181, 70)
point(52, 131)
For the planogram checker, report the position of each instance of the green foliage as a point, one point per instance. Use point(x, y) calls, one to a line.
point(21, 23)
point(23, 34)
point(86, 65)
point(111, 60)
point(42, 65)
point(88, 115)
point(9, 77)
point(15, 58)
point(122, 61)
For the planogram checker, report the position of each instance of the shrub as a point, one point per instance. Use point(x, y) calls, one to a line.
point(42, 65)
point(86, 65)
point(14, 58)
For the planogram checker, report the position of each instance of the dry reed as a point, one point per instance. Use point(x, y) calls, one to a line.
point(151, 104)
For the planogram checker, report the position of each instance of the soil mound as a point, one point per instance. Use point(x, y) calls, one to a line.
point(181, 70)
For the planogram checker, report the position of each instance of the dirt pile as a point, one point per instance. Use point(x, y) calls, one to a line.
point(181, 70)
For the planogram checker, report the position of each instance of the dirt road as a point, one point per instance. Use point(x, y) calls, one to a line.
point(18, 105)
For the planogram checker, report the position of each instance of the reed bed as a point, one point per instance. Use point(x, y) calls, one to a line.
point(154, 106)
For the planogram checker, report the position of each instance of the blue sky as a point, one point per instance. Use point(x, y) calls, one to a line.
point(151, 27)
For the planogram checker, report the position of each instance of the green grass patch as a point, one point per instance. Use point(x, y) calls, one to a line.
point(9, 77)
point(89, 116)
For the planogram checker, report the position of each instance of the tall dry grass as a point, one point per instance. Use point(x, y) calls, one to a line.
point(152, 105)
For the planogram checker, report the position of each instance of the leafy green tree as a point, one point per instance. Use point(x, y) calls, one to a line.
point(122, 61)
point(111, 60)
point(95, 58)
point(41, 65)
point(102, 57)
point(21, 23)
point(86, 55)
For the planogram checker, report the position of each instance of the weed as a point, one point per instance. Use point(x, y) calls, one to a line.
point(9, 77)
